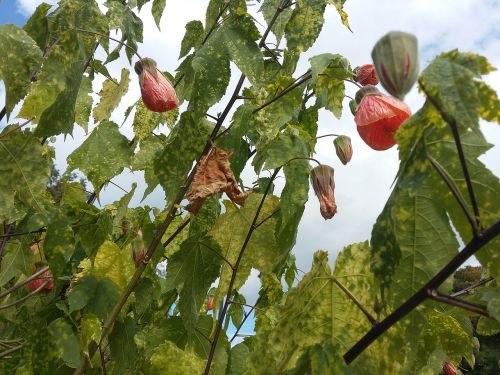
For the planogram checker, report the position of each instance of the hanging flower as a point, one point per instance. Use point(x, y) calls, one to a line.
point(323, 185)
point(378, 117)
point(343, 148)
point(395, 57)
point(45, 277)
point(366, 75)
point(449, 368)
point(158, 94)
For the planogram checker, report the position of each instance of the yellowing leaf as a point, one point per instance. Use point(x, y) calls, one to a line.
point(111, 95)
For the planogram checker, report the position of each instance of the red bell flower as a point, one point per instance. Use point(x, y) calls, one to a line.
point(158, 94)
point(366, 75)
point(323, 185)
point(378, 117)
point(449, 368)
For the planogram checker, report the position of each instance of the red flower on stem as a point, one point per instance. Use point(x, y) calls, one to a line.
point(378, 117)
point(366, 75)
point(158, 94)
point(323, 185)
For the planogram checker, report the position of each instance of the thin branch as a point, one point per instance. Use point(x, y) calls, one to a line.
point(24, 282)
point(244, 319)
point(4, 238)
point(267, 218)
point(103, 362)
point(353, 82)
point(110, 38)
point(242, 304)
point(29, 295)
point(456, 136)
point(455, 192)
point(283, 93)
point(3, 112)
point(327, 135)
point(298, 158)
point(469, 288)
point(219, 255)
point(16, 128)
point(443, 298)
point(234, 273)
point(212, 117)
point(176, 232)
point(40, 230)
point(472, 247)
point(11, 350)
point(369, 316)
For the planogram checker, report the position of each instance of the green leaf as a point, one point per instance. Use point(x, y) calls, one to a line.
point(53, 96)
point(264, 125)
point(145, 121)
point(192, 270)
point(212, 73)
point(111, 95)
point(168, 359)
point(17, 259)
point(489, 104)
point(305, 24)
point(339, 5)
point(261, 253)
point(21, 57)
point(185, 143)
point(478, 64)
point(168, 329)
point(93, 295)
point(121, 17)
point(103, 155)
point(90, 331)
point(150, 149)
point(83, 105)
point(328, 74)
point(237, 359)
point(93, 235)
point(268, 8)
point(37, 27)
point(442, 331)
point(192, 37)
point(492, 296)
point(66, 341)
point(113, 263)
point(452, 87)
point(290, 144)
point(59, 243)
point(122, 345)
point(24, 173)
point(239, 35)
point(157, 10)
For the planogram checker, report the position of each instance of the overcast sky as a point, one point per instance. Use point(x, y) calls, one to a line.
point(363, 185)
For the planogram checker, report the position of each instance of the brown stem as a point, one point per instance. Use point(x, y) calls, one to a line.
point(24, 282)
point(478, 309)
point(177, 231)
point(369, 316)
point(233, 275)
point(455, 192)
point(456, 136)
point(29, 295)
point(11, 350)
point(469, 288)
point(421, 295)
point(244, 319)
point(4, 238)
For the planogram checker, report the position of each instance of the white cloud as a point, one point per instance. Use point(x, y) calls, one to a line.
point(27, 7)
point(362, 186)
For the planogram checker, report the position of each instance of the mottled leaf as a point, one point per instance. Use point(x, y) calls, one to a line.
point(192, 37)
point(111, 95)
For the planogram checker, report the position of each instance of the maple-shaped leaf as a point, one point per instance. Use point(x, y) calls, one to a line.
point(22, 56)
point(214, 176)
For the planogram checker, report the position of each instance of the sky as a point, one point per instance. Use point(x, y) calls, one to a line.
point(363, 185)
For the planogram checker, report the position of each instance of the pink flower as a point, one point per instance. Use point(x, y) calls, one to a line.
point(323, 185)
point(158, 94)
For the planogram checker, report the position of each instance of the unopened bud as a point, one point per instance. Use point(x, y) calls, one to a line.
point(323, 185)
point(343, 148)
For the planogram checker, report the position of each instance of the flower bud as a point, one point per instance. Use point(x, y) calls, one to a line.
point(46, 278)
point(323, 185)
point(449, 368)
point(353, 106)
point(378, 117)
point(138, 251)
point(343, 148)
point(158, 94)
point(366, 75)
point(210, 303)
point(395, 57)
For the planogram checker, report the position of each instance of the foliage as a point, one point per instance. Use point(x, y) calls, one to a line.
point(108, 314)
